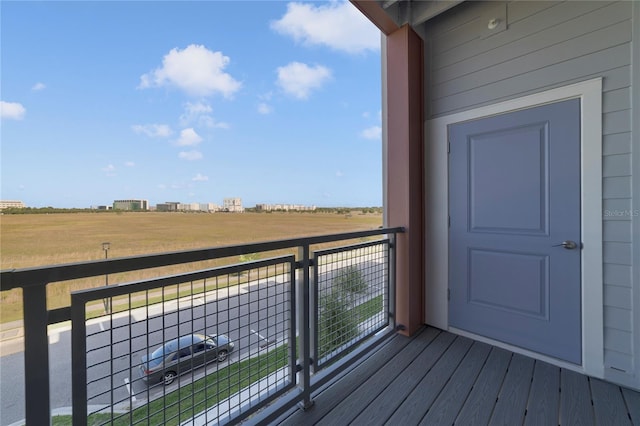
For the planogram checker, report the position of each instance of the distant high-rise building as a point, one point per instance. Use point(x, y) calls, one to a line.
point(233, 205)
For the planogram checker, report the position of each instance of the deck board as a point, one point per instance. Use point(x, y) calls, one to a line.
point(386, 403)
point(512, 399)
point(448, 404)
point(438, 377)
point(544, 405)
point(479, 405)
point(608, 404)
point(327, 400)
point(355, 402)
point(575, 400)
point(415, 406)
point(632, 400)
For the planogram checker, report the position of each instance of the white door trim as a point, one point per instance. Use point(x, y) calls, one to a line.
point(437, 212)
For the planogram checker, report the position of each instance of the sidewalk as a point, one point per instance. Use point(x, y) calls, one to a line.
point(11, 330)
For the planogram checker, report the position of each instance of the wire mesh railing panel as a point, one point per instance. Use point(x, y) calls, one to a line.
point(351, 297)
point(206, 347)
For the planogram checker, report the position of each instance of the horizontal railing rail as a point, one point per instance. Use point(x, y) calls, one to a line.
point(301, 314)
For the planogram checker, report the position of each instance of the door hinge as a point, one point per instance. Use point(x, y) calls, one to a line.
point(448, 147)
point(448, 294)
point(449, 221)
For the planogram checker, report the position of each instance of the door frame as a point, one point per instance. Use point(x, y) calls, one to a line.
point(437, 211)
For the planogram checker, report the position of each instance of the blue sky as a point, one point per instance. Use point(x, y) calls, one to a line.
point(270, 101)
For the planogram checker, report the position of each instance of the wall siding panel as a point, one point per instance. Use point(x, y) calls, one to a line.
point(618, 318)
point(544, 47)
point(556, 75)
point(616, 165)
point(616, 122)
point(617, 231)
point(518, 32)
point(549, 45)
point(617, 253)
point(618, 361)
point(619, 275)
point(616, 187)
point(617, 296)
point(620, 143)
point(616, 100)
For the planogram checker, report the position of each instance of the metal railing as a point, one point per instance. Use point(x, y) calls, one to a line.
point(258, 331)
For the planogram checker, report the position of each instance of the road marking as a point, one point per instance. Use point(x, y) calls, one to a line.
point(266, 341)
point(130, 389)
point(101, 326)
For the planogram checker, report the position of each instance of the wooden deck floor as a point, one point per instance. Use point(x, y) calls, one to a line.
point(438, 378)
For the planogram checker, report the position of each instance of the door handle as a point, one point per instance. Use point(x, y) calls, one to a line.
point(569, 245)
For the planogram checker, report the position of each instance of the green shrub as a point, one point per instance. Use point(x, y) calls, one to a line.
point(337, 324)
point(350, 280)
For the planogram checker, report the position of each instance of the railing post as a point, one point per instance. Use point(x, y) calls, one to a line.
point(391, 279)
point(36, 356)
point(304, 335)
point(79, 361)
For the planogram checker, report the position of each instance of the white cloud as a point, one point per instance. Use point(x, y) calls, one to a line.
point(200, 178)
point(298, 79)
point(338, 25)
point(109, 170)
point(189, 137)
point(12, 110)
point(196, 70)
point(38, 86)
point(199, 113)
point(190, 155)
point(264, 108)
point(153, 130)
point(129, 163)
point(373, 133)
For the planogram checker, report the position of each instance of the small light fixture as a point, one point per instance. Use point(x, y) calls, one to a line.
point(493, 24)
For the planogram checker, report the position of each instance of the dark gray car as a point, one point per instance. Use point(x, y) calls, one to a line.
point(183, 354)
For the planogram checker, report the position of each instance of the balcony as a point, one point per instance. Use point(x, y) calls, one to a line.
point(312, 322)
point(296, 311)
point(438, 378)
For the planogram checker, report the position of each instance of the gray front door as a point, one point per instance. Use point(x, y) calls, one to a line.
point(514, 199)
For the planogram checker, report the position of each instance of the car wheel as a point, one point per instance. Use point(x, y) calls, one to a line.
point(169, 377)
point(222, 355)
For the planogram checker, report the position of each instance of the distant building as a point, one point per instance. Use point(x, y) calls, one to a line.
point(103, 207)
point(169, 206)
point(131, 205)
point(187, 207)
point(284, 207)
point(209, 207)
point(233, 205)
point(11, 204)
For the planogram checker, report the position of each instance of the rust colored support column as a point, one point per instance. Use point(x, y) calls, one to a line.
point(404, 170)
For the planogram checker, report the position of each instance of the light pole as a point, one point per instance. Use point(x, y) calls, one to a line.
point(105, 247)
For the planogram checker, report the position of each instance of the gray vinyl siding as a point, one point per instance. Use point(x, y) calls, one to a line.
point(548, 45)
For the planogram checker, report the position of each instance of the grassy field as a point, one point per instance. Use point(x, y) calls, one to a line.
point(49, 239)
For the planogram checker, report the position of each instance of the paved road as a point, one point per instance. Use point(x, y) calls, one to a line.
point(249, 315)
